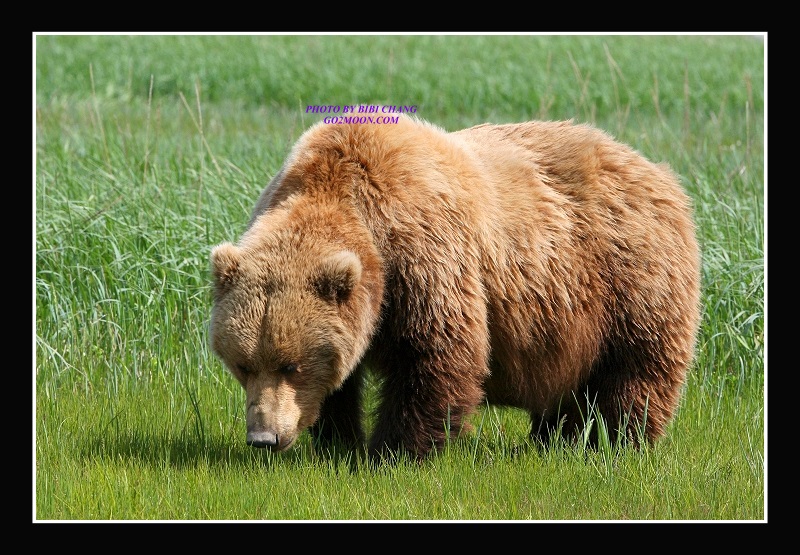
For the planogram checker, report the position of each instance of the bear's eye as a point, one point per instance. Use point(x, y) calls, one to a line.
point(242, 369)
point(288, 369)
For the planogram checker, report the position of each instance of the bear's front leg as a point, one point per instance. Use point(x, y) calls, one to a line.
point(425, 398)
point(340, 420)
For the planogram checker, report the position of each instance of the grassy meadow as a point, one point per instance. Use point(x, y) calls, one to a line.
point(151, 149)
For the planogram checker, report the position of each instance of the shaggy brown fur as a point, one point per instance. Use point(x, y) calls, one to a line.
point(540, 265)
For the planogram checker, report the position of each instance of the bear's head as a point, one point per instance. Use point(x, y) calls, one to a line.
point(292, 317)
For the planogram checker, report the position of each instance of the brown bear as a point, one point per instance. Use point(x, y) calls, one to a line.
point(539, 265)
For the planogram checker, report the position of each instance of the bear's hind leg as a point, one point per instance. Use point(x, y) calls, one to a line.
point(635, 396)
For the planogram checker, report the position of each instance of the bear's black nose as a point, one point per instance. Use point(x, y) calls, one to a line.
point(262, 439)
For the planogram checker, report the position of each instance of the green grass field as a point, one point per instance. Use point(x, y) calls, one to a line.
point(152, 149)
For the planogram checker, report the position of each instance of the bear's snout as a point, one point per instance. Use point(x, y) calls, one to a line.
point(273, 441)
point(262, 440)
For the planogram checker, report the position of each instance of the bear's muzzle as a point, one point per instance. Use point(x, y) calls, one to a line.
point(269, 440)
point(262, 440)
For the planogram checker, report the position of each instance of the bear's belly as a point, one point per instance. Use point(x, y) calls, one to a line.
point(535, 385)
point(512, 390)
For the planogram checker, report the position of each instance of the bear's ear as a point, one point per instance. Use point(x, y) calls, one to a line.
point(337, 276)
point(224, 266)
